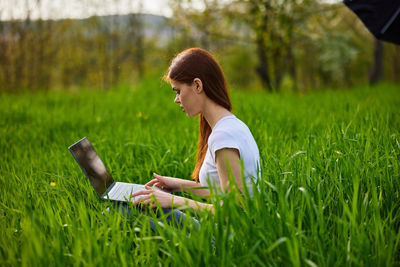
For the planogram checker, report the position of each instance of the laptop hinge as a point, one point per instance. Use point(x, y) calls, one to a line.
point(104, 196)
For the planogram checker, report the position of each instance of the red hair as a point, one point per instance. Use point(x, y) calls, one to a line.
point(198, 63)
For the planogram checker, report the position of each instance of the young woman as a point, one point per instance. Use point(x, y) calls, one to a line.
point(224, 140)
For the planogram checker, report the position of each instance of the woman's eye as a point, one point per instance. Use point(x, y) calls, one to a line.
point(178, 92)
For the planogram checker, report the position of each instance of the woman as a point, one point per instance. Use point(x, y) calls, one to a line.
point(224, 140)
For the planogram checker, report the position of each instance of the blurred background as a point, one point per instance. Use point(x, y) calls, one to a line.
point(272, 45)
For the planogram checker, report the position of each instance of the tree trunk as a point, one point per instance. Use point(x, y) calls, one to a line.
point(262, 68)
point(375, 74)
point(260, 28)
point(396, 63)
point(291, 60)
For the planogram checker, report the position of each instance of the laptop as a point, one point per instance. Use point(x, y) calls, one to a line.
point(99, 177)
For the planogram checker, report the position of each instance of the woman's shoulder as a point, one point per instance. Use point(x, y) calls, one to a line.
point(229, 124)
point(232, 133)
point(229, 127)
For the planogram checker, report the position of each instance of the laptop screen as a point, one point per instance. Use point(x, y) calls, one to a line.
point(92, 165)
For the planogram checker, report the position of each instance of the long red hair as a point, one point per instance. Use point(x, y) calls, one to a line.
point(198, 63)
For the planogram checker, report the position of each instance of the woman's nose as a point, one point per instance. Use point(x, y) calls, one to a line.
point(177, 100)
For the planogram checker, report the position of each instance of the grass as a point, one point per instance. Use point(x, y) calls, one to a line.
point(329, 193)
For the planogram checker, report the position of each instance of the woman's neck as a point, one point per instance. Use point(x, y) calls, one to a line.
point(213, 112)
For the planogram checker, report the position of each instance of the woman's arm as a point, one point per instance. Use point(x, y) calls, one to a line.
point(228, 162)
point(178, 185)
point(150, 196)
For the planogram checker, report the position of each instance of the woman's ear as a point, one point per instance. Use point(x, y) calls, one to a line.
point(198, 85)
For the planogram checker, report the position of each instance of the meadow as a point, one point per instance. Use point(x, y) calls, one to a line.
point(328, 196)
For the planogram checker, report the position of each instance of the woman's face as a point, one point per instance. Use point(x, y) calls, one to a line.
point(188, 97)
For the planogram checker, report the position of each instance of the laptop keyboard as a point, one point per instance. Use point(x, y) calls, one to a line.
point(123, 191)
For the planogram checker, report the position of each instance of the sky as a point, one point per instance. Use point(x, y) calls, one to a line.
point(58, 9)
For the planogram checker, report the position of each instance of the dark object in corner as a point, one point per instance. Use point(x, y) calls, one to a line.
point(381, 17)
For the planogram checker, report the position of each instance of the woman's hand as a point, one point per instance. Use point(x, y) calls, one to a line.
point(151, 195)
point(171, 184)
point(167, 183)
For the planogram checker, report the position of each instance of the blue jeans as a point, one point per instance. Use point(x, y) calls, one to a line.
point(174, 216)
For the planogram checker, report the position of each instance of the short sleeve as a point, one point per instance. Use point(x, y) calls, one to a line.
point(222, 139)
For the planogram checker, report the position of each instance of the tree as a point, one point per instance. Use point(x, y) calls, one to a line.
point(277, 27)
point(376, 72)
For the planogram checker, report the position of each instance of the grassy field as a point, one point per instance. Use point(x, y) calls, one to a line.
point(329, 194)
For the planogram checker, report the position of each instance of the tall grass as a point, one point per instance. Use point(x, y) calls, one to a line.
point(329, 193)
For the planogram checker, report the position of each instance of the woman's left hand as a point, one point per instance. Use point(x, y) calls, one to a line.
point(150, 196)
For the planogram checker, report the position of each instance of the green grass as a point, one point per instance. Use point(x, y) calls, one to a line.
point(329, 194)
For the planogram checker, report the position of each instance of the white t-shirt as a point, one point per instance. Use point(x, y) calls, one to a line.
point(230, 132)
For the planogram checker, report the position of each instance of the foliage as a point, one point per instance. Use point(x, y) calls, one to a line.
point(328, 192)
point(288, 44)
point(96, 52)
